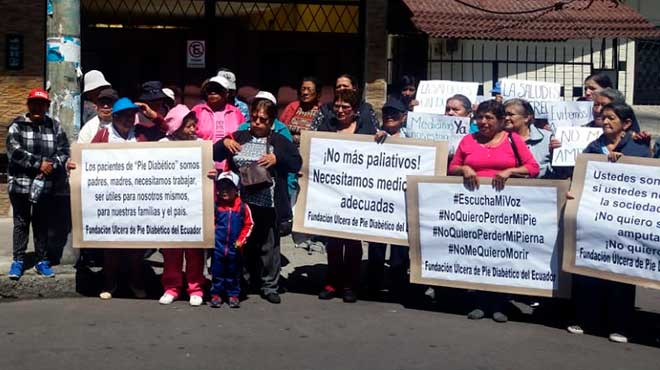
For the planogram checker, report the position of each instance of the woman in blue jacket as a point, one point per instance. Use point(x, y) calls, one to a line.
point(598, 301)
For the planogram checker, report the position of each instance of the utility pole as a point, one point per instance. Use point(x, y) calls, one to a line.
point(63, 63)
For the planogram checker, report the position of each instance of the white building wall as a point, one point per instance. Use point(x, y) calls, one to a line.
point(567, 63)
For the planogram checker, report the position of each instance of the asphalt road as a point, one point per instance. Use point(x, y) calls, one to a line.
point(301, 333)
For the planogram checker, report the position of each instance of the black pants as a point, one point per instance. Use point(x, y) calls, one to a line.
point(262, 251)
point(344, 259)
point(26, 213)
point(399, 263)
point(603, 306)
point(60, 227)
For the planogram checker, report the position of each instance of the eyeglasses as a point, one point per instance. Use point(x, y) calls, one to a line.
point(260, 119)
point(509, 114)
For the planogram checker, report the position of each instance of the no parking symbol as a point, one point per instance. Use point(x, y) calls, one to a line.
point(196, 54)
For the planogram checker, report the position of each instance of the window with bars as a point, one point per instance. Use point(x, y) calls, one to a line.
point(279, 16)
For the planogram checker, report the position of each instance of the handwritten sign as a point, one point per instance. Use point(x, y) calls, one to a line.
point(432, 95)
point(570, 113)
point(536, 92)
point(436, 127)
point(573, 141)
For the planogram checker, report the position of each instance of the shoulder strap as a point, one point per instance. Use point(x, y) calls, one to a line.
point(515, 150)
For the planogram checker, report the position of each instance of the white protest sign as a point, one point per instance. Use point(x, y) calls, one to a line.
point(142, 194)
point(539, 94)
point(432, 95)
point(354, 188)
point(485, 239)
point(573, 141)
point(570, 113)
point(617, 223)
point(196, 54)
point(429, 126)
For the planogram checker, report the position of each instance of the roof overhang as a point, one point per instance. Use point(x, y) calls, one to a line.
point(537, 20)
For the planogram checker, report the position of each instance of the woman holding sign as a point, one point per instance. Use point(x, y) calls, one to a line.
point(519, 118)
point(494, 153)
point(599, 300)
point(345, 256)
point(263, 159)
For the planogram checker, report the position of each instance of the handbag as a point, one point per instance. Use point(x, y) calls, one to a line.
point(255, 177)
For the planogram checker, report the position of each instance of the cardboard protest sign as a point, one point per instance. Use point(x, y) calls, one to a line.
point(432, 95)
point(573, 141)
point(537, 93)
point(142, 195)
point(613, 224)
point(429, 126)
point(570, 113)
point(507, 241)
point(354, 188)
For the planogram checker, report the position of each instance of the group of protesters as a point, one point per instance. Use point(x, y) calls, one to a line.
point(506, 141)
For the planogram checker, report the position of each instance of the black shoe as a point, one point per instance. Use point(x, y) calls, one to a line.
point(273, 298)
point(350, 296)
point(327, 294)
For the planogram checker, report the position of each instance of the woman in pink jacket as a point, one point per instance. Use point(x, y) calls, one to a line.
point(216, 118)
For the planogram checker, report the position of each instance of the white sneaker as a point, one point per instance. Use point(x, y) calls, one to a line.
point(105, 296)
point(196, 300)
point(618, 338)
point(575, 329)
point(166, 299)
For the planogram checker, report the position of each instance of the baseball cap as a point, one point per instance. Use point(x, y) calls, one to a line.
point(228, 175)
point(38, 93)
point(169, 93)
point(174, 118)
point(266, 95)
point(231, 77)
point(497, 89)
point(93, 80)
point(395, 104)
point(222, 81)
point(123, 104)
point(108, 94)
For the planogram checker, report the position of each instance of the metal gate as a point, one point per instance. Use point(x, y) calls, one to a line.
point(647, 72)
point(267, 43)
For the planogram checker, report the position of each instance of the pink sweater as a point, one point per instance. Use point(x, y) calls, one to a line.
point(206, 121)
point(487, 162)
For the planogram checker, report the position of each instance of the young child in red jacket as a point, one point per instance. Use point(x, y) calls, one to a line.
point(233, 225)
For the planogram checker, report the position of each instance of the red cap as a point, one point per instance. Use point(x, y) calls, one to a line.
point(38, 94)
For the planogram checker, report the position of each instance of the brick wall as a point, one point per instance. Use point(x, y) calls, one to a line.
point(29, 19)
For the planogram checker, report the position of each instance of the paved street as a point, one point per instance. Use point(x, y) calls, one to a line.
point(302, 333)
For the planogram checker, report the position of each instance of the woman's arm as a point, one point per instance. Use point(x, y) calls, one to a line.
point(288, 157)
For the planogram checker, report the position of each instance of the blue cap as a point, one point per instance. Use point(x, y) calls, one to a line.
point(123, 104)
point(497, 89)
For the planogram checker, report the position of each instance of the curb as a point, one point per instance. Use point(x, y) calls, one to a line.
point(33, 286)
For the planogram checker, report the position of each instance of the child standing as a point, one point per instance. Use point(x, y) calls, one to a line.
point(233, 225)
point(182, 125)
